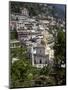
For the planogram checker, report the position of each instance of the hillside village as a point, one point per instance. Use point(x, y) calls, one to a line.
point(37, 46)
point(35, 34)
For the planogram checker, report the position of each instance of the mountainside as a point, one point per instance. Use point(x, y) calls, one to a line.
point(59, 10)
point(34, 9)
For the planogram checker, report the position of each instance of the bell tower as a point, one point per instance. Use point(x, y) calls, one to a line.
point(24, 12)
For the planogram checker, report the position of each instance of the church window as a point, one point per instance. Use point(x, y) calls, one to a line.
point(40, 61)
point(34, 61)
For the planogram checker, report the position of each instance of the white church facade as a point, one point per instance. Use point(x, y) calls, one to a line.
point(42, 56)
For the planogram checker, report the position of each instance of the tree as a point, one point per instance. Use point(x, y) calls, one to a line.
point(60, 58)
point(19, 72)
point(22, 74)
point(45, 70)
point(13, 34)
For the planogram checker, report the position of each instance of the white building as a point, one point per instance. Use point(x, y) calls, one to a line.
point(15, 44)
point(12, 25)
point(24, 12)
point(41, 56)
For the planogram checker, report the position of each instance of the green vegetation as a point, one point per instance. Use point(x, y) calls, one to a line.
point(60, 58)
point(35, 9)
point(32, 8)
point(23, 74)
point(13, 34)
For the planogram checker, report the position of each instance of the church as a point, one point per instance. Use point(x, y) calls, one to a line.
point(42, 55)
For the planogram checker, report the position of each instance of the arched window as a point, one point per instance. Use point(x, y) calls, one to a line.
point(40, 61)
point(45, 61)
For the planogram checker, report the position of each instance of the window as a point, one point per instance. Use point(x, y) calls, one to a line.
point(45, 61)
point(40, 61)
point(34, 61)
